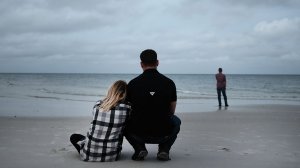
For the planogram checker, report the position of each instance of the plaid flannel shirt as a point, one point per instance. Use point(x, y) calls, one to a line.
point(105, 136)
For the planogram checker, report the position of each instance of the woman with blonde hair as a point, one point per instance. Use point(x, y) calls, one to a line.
point(105, 136)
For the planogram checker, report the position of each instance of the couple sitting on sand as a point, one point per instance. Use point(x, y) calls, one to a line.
point(142, 111)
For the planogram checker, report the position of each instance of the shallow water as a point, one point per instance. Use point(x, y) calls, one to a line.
point(75, 94)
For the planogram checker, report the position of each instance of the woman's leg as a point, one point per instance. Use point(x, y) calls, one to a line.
point(219, 97)
point(225, 96)
point(74, 138)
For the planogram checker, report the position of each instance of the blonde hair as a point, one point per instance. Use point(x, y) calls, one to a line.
point(116, 93)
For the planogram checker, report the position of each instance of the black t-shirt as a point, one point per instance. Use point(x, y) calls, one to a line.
point(151, 94)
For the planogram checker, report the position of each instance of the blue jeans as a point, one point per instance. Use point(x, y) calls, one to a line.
point(223, 91)
point(165, 143)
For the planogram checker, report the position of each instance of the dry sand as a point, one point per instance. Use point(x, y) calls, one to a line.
point(263, 136)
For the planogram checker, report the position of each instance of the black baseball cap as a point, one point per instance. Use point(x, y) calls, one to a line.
point(148, 56)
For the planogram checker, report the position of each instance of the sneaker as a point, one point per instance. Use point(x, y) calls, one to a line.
point(163, 156)
point(138, 156)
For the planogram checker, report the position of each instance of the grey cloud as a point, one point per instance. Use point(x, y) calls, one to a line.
point(112, 33)
point(59, 16)
point(260, 3)
point(275, 27)
point(48, 22)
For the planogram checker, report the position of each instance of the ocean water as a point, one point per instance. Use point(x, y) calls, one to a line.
point(75, 94)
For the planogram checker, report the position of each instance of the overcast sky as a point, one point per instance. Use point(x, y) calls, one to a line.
point(190, 36)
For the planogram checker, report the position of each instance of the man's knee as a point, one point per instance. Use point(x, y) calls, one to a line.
point(176, 122)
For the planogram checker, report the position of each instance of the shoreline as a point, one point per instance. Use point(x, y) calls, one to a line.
point(39, 107)
point(240, 136)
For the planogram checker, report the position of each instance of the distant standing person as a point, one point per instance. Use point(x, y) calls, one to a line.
point(153, 98)
point(221, 87)
point(105, 136)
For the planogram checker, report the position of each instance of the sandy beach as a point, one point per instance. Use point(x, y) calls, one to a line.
point(264, 136)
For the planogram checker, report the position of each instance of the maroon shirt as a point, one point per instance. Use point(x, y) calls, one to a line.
point(221, 81)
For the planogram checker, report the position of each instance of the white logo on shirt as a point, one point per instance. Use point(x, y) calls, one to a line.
point(152, 93)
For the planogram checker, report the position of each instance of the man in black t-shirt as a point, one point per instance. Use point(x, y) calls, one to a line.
point(152, 120)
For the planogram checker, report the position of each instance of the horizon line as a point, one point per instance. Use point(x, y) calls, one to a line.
point(121, 73)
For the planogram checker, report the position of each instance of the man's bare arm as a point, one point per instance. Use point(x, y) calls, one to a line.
point(173, 107)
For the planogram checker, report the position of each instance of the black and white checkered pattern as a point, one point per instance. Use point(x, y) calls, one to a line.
point(105, 136)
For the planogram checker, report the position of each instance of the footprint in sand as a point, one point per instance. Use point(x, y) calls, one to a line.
point(225, 149)
point(59, 150)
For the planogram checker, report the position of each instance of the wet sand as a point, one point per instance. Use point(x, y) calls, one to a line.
point(264, 136)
